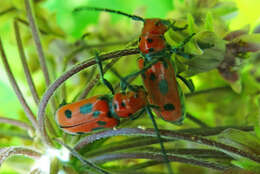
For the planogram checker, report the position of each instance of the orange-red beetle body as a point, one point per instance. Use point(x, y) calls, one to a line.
point(99, 112)
point(160, 79)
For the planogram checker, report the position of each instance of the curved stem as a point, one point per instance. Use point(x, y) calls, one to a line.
point(169, 135)
point(24, 63)
point(157, 157)
point(75, 69)
point(207, 91)
point(196, 120)
point(16, 88)
point(37, 41)
point(10, 151)
point(211, 131)
point(7, 11)
point(16, 123)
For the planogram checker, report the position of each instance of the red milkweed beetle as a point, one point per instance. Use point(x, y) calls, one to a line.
point(98, 112)
point(157, 68)
point(105, 111)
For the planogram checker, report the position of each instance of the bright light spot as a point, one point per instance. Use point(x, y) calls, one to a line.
point(61, 172)
point(141, 127)
point(43, 164)
point(62, 154)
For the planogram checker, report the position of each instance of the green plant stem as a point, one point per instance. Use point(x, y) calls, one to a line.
point(17, 123)
point(195, 153)
point(157, 157)
point(207, 91)
point(143, 141)
point(58, 82)
point(37, 41)
point(165, 156)
point(24, 63)
point(7, 11)
point(95, 80)
point(144, 165)
point(15, 150)
point(174, 135)
point(197, 121)
point(16, 89)
point(138, 146)
point(211, 131)
point(71, 55)
point(195, 131)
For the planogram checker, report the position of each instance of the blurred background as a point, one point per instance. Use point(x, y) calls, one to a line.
point(233, 101)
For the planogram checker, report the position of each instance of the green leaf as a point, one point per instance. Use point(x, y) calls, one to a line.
point(209, 22)
point(247, 165)
point(236, 86)
point(245, 141)
point(237, 139)
point(237, 171)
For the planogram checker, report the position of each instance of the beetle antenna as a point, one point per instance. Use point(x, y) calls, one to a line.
point(134, 17)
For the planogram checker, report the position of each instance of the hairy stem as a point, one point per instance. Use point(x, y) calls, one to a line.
point(169, 135)
point(16, 123)
point(157, 157)
point(37, 41)
point(10, 151)
point(16, 88)
point(24, 63)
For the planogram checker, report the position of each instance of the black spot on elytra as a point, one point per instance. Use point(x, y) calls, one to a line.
point(149, 40)
point(97, 128)
point(101, 123)
point(169, 107)
point(68, 113)
point(123, 104)
point(152, 76)
point(151, 49)
point(80, 133)
point(109, 114)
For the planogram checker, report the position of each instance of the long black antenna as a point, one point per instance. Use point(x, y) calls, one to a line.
point(134, 17)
